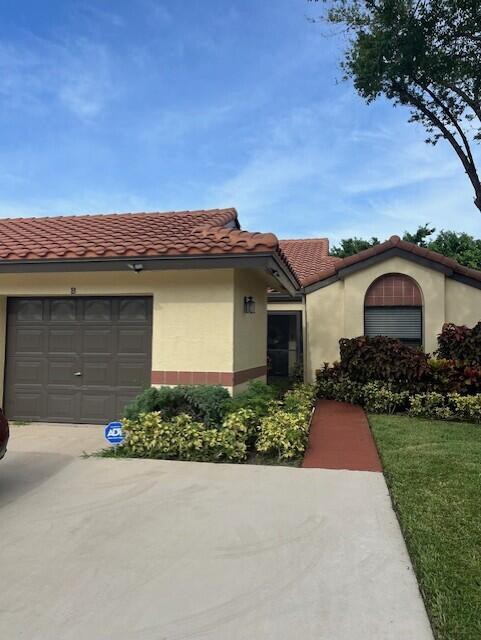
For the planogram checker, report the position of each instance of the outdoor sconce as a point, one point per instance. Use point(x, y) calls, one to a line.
point(249, 304)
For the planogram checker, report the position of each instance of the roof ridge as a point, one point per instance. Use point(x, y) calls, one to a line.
point(323, 238)
point(231, 211)
point(392, 243)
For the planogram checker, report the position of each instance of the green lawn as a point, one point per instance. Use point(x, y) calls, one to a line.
point(433, 470)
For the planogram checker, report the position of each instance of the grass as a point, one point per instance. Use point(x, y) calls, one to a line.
point(433, 470)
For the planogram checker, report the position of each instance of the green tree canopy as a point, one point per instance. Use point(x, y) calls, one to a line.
point(461, 247)
point(424, 54)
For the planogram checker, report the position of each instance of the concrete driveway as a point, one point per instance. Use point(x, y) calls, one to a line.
point(152, 550)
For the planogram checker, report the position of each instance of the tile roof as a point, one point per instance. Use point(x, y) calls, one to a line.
point(395, 242)
point(120, 235)
point(308, 257)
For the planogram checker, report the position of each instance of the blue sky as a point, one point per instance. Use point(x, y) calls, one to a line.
point(134, 105)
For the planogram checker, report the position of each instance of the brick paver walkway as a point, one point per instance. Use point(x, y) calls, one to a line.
point(340, 438)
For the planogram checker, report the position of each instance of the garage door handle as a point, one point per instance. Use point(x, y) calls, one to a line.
point(78, 373)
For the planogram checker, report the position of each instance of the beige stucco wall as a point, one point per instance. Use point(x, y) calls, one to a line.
point(250, 329)
point(337, 311)
point(463, 303)
point(196, 313)
point(325, 326)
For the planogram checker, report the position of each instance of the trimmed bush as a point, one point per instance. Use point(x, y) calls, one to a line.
point(466, 407)
point(430, 405)
point(204, 403)
point(332, 384)
point(460, 343)
point(365, 359)
point(181, 438)
point(257, 397)
point(283, 435)
point(381, 399)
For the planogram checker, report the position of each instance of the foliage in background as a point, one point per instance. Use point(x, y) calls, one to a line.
point(423, 55)
point(365, 359)
point(460, 343)
point(458, 246)
point(351, 246)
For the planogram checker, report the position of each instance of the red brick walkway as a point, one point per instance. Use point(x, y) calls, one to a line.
point(340, 438)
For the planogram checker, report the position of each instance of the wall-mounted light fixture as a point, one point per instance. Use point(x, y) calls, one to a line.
point(137, 267)
point(249, 304)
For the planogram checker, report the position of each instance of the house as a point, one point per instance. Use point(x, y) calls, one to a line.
point(93, 309)
point(396, 289)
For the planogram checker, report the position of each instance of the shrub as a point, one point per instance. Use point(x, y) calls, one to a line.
point(430, 405)
point(454, 376)
point(460, 343)
point(366, 359)
point(381, 399)
point(243, 421)
point(204, 403)
point(152, 436)
point(466, 407)
point(284, 435)
point(332, 384)
point(300, 400)
point(257, 397)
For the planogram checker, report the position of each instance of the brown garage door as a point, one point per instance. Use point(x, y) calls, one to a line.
point(76, 359)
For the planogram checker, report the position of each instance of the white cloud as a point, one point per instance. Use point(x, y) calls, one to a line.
point(76, 74)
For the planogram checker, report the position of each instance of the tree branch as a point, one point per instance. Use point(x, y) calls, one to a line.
point(437, 122)
point(475, 106)
point(454, 121)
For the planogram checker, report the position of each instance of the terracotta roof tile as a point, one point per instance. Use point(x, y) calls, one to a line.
point(308, 257)
point(393, 243)
point(214, 231)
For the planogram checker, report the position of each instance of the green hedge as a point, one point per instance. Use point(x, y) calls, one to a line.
point(377, 397)
point(276, 429)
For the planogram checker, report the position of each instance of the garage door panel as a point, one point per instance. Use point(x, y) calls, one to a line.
point(133, 340)
point(28, 340)
point(134, 309)
point(49, 340)
point(28, 404)
point(62, 404)
point(63, 340)
point(97, 403)
point(97, 372)
point(130, 373)
point(28, 371)
point(98, 340)
point(98, 310)
point(28, 310)
point(63, 310)
point(62, 372)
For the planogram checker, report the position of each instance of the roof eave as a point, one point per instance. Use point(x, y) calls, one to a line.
point(268, 261)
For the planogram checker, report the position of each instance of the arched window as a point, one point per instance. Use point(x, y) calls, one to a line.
point(393, 307)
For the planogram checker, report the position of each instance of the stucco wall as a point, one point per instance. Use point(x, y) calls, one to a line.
point(325, 326)
point(463, 303)
point(337, 310)
point(250, 329)
point(196, 313)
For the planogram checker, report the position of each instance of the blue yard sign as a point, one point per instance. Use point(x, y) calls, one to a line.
point(114, 433)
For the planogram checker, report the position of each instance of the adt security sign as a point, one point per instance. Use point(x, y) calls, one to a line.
point(114, 433)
